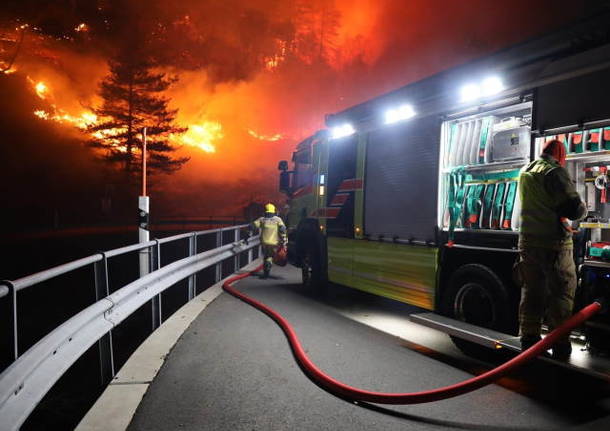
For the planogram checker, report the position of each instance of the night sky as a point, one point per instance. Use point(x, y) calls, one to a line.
point(252, 79)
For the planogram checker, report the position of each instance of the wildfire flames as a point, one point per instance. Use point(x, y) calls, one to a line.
point(41, 89)
point(202, 135)
point(252, 79)
point(270, 138)
point(82, 27)
point(82, 122)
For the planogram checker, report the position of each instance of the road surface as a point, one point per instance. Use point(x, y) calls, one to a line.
point(233, 370)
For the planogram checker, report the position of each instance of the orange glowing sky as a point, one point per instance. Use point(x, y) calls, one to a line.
point(238, 129)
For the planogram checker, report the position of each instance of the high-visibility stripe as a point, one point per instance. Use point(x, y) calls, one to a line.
point(339, 269)
point(350, 185)
point(305, 190)
point(339, 199)
point(392, 282)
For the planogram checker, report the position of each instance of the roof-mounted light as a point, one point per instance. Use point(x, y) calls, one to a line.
point(342, 131)
point(492, 85)
point(488, 87)
point(470, 92)
point(403, 112)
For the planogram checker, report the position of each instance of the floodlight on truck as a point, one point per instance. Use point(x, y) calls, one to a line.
point(403, 112)
point(470, 92)
point(342, 131)
point(488, 87)
point(492, 85)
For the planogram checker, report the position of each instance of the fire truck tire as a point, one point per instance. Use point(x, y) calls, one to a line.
point(477, 295)
point(312, 269)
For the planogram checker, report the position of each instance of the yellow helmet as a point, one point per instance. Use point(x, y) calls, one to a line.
point(270, 208)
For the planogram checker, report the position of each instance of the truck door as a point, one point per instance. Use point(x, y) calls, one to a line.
point(339, 211)
point(399, 258)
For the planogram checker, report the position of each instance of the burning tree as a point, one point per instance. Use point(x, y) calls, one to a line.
point(132, 99)
point(316, 30)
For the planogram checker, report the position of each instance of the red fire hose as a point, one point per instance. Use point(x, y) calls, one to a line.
point(466, 386)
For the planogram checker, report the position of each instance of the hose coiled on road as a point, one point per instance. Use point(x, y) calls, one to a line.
point(451, 391)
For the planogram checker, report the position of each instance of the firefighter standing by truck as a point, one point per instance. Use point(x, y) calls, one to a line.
point(546, 267)
point(273, 235)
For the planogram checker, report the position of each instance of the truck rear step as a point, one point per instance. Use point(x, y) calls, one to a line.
point(581, 359)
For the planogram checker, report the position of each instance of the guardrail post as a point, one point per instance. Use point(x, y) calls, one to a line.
point(218, 274)
point(237, 263)
point(155, 263)
point(193, 278)
point(250, 255)
point(13, 322)
point(102, 290)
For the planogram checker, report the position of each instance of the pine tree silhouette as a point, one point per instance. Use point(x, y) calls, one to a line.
point(132, 99)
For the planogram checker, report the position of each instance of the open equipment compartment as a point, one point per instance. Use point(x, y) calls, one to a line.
point(481, 157)
point(588, 162)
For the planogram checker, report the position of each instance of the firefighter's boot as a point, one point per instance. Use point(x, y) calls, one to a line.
point(266, 269)
point(562, 350)
point(528, 341)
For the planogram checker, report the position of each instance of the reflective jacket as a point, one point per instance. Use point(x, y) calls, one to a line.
point(547, 194)
point(272, 230)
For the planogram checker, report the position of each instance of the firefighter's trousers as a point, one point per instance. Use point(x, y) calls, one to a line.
point(548, 283)
point(268, 253)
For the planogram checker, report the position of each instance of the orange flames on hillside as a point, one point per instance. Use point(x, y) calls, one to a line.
point(41, 89)
point(270, 138)
point(201, 135)
point(82, 121)
point(82, 27)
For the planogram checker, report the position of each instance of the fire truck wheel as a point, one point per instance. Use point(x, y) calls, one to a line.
point(476, 295)
point(311, 269)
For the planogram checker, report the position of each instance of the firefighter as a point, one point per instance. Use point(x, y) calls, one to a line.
point(546, 267)
point(273, 234)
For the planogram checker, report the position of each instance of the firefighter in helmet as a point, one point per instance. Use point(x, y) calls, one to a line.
point(273, 235)
point(546, 267)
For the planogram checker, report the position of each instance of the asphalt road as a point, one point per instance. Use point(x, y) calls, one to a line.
point(233, 370)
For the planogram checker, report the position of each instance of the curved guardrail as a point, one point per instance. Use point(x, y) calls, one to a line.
point(31, 376)
point(99, 260)
point(48, 274)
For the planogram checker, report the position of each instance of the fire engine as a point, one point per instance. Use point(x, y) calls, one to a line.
point(412, 195)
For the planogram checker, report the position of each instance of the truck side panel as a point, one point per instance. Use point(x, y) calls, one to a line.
point(340, 260)
point(401, 272)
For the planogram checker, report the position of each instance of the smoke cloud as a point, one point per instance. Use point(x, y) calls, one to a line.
point(265, 71)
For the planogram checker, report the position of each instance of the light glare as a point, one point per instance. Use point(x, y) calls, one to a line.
point(492, 85)
point(488, 87)
point(470, 92)
point(403, 112)
point(342, 131)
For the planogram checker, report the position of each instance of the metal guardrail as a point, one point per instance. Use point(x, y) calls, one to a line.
point(48, 274)
point(31, 375)
point(12, 287)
